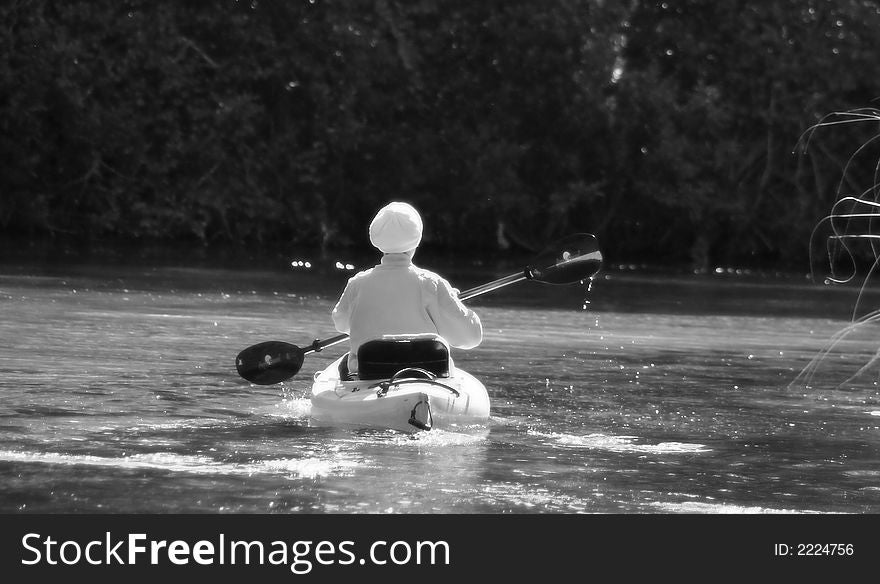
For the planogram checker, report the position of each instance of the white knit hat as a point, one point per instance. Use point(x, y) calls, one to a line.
point(396, 228)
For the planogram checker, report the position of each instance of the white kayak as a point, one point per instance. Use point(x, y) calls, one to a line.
point(411, 399)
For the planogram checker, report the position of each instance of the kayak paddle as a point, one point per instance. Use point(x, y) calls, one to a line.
point(572, 259)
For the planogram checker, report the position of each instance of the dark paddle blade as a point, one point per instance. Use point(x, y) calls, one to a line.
point(269, 362)
point(572, 259)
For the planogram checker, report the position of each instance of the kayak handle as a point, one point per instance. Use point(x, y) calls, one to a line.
point(422, 372)
point(424, 376)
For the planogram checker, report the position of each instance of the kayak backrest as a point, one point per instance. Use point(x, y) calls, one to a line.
point(382, 358)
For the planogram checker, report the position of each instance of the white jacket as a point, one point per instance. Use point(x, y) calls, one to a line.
point(396, 297)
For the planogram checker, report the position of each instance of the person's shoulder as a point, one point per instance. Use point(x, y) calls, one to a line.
point(361, 275)
point(426, 274)
point(432, 279)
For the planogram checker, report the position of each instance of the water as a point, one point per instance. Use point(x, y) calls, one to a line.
point(665, 395)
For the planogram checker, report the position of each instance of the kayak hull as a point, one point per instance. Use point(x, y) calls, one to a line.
point(408, 402)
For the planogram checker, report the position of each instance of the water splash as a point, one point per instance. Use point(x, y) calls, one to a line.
point(292, 406)
point(589, 288)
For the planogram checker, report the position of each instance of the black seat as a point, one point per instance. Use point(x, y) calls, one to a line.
point(382, 358)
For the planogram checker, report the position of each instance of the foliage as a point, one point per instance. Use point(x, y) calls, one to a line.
point(669, 129)
point(734, 85)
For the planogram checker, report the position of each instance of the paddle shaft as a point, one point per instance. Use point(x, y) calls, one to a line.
point(466, 295)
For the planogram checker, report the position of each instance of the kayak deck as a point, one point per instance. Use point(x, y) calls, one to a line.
point(411, 400)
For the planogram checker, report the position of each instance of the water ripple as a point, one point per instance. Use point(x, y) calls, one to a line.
point(721, 508)
point(620, 444)
point(180, 463)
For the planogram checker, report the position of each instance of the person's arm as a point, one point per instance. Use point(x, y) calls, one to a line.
point(458, 324)
point(342, 312)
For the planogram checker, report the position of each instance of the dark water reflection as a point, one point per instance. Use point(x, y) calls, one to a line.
point(667, 394)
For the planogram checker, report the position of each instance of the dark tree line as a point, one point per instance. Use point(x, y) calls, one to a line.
point(670, 129)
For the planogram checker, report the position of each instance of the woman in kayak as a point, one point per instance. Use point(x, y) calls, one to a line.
point(396, 297)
